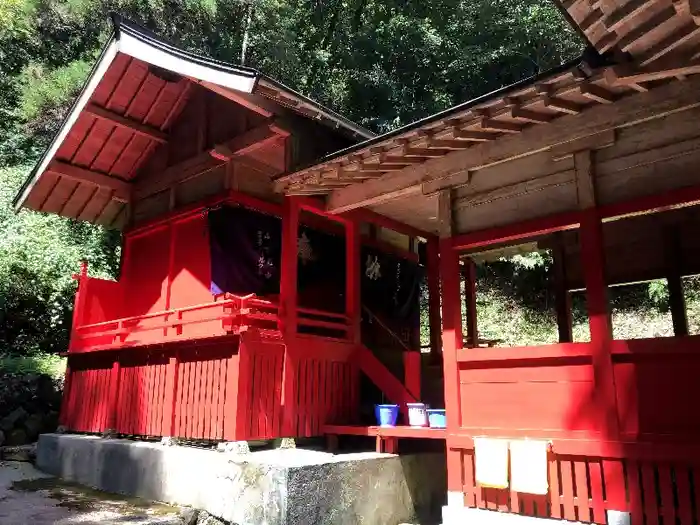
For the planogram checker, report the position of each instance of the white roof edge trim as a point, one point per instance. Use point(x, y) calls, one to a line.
point(136, 48)
point(107, 59)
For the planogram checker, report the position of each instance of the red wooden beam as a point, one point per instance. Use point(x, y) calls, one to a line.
point(517, 231)
point(372, 217)
point(564, 221)
point(317, 207)
point(653, 203)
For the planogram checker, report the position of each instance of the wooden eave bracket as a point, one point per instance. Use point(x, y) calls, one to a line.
point(248, 141)
point(630, 74)
point(121, 190)
point(126, 123)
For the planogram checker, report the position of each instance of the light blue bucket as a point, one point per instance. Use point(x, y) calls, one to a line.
point(436, 418)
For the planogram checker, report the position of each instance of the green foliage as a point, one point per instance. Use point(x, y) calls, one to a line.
point(38, 255)
point(40, 363)
point(47, 95)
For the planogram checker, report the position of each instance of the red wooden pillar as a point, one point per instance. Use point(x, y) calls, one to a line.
point(561, 294)
point(593, 262)
point(64, 416)
point(170, 402)
point(288, 313)
point(80, 299)
point(112, 402)
point(288, 270)
point(451, 342)
point(433, 274)
point(676, 297)
point(469, 273)
point(412, 373)
point(353, 300)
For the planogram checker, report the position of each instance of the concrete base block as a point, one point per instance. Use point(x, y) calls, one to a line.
point(271, 487)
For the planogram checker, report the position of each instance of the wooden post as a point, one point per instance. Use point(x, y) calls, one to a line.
point(80, 300)
point(561, 293)
point(469, 274)
point(593, 262)
point(288, 316)
point(288, 270)
point(451, 335)
point(412, 373)
point(64, 416)
point(434, 316)
point(353, 301)
point(676, 297)
point(112, 402)
point(170, 403)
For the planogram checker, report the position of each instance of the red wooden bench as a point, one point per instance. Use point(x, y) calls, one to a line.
point(387, 437)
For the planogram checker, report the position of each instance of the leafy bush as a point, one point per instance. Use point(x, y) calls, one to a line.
point(38, 255)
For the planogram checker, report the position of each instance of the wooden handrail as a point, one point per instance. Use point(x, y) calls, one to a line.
point(322, 313)
point(238, 301)
point(386, 328)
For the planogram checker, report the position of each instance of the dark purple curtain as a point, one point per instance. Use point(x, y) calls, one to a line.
point(245, 250)
point(391, 290)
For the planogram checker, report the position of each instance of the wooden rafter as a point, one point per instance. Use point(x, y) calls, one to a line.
point(239, 98)
point(461, 132)
point(489, 124)
point(594, 18)
point(626, 13)
point(409, 151)
point(679, 37)
point(126, 123)
point(454, 169)
point(447, 144)
point(529, 115)
point(473, 135)
point(398, 159)
point(597, 93)
point(239, 146)
point(379, 166)
point(627, 74)
point(559, 104)
point(121, 189)
point(640, 31)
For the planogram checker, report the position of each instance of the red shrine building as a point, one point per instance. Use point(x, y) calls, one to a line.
point(274, 253)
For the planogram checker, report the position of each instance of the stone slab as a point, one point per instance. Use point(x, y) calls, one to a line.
point(272, 487)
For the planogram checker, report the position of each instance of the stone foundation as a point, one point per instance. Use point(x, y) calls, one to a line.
point(272, 487)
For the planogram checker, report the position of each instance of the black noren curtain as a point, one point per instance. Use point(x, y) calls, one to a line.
point(245, 248)
point(391, 290)
point(321, 270)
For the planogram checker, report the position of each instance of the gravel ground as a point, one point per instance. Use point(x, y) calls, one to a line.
point(29, 497)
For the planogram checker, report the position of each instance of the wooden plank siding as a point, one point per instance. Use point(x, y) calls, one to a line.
point(217, 394)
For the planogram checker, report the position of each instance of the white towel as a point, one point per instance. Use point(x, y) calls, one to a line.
point(528, 466)
point(491, 459)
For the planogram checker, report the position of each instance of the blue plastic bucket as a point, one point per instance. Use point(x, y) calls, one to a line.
point(436, 418)
point(386, 415)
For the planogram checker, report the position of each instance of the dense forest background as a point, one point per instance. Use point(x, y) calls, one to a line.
point(382, 63)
